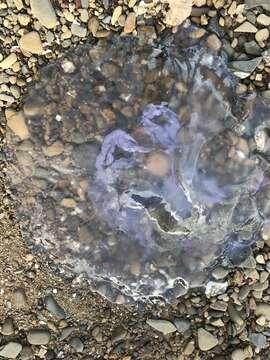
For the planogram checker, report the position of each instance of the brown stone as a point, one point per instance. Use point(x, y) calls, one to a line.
point(31, 43)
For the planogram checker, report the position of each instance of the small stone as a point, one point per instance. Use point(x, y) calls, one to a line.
point(246, 27)
point(206, 340)
point(24, 19)
point(189, 348)
point(248, 263)
point(66, 332)
point(264, 310)
point(235, 315)
point(55, 149)
point(19, 299)
point(261, 321)
point(244, 292)
point(252, 48)
point(157, 164)
point(220, 273)
point(213, 42)
point(263, 19)
point(250, 4)
point(38, 337)
point(239, 354)
point(243, 68)
point(7, 327)
point(265, 232)
point(163, 326)
point(77, 344)
point(174, 17)
point(219, 306)
point(26, 353)
point(214, 288)
point(68, 203)
point(266, 94)
point(44, 12)
point(53, 307)
point(262, 35)
point(116, 14)
point(31, 43)
point(78, 30)
point(7, 98)
point(93, 25)
point(130, 23)
point(16, 123)
point(182, 325)
point(258, 340)
point(260, 259)
point(11, 350)
point(18, 4)
point(68, 66)
point(8, 61)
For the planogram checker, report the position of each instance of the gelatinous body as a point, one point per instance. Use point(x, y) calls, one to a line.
point(141, 167)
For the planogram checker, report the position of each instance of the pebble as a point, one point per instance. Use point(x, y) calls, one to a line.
point(18, 4)
point(260, 259)
point(16, 123)
point(244, 291)
point(54, 150)
point(53, 307)
point(265, 232)
point(252, 48)
point(174, 17)
point(130, 23)
point(8, 61)
point(262, 35)
point(11, 350)
point(206, 340)
point(240, 354)
point(78, 30)
point(263, 309)
point(26, 353)
point(213, 42)
point(163, 326)
point(246, 27)
point(235, 315)
point(31, 43)
point(220, 273)
point(116, 14)
point(66, 332)
point(258, 340)
point(214, 288)
point(263, 19)
point(38, 337)
point(157, 164)
point(243, 68)
point(44, 12)
point(7, 327)
point(24, 19)
point(182, 325)
point(19, 299)
point(77, 344)
point(7, 98)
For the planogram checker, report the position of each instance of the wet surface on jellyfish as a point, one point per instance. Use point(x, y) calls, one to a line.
point(140, 167)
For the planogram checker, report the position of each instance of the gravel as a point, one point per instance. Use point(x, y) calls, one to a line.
point(206, 341)
point(11, 350)
point(231, 324)
point(163, 326)
point(38, 337)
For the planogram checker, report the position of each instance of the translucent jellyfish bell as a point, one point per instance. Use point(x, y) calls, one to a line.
point(133, 170)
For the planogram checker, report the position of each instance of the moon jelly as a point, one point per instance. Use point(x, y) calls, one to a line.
point(139, 166)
